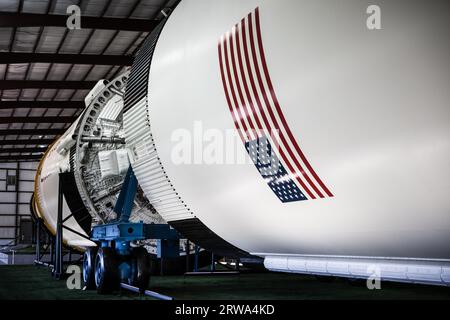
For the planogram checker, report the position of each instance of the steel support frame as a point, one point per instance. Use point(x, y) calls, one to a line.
point(32, 57)
point(120, 233)
point(39, 244)
point(17, 217)
point(14, 19)
point(58, 270)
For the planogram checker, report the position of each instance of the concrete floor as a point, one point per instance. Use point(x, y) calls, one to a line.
point(32, 282)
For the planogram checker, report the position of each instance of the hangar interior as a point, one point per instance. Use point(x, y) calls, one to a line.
point(41, 94)
point(46, 72)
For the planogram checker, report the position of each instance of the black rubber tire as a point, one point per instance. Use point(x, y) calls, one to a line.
point(141, 261)
point(106, 271)
point(89, 268)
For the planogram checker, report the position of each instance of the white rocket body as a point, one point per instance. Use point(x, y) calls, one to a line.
point(368, 110)
point(55, 161)
point(357, 119)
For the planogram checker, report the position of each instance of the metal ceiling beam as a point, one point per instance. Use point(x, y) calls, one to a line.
point(110, 60)
point(37, 119)
point(45, 84)
point(13, 150)
point(14, 19)
point(31, 132)
point(21, 157)
point(42, 104)
point(26, 142)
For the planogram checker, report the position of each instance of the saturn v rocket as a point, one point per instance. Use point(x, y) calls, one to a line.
point(345, 130)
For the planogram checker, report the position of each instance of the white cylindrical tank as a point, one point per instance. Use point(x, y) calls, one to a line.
point(55, 161)
point(357, 121)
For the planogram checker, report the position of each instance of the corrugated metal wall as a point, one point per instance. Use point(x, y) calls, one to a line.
point(16, 188)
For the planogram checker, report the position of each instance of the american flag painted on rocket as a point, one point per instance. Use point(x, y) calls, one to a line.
point(258, 117)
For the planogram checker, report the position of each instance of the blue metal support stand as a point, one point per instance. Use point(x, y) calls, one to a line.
point(119, 234)
point(124, 203)
point(122, 232)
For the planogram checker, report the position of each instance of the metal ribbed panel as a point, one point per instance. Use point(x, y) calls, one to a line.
point(72, 153)
point(148, 167)
point(145, 161)
point(138, 82)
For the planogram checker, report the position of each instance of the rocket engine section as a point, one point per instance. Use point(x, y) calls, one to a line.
point(91, 160)
point(357, 121)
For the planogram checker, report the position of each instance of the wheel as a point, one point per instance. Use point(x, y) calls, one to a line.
point(89, 268)
point(141, 269)
point(106, 271)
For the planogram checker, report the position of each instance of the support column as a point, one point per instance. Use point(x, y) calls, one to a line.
point(188, 251)
point(58, 246)
point(196, 251)
point(17, 217)
point(38, 239)
point(213, 265)
point(52, 250)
